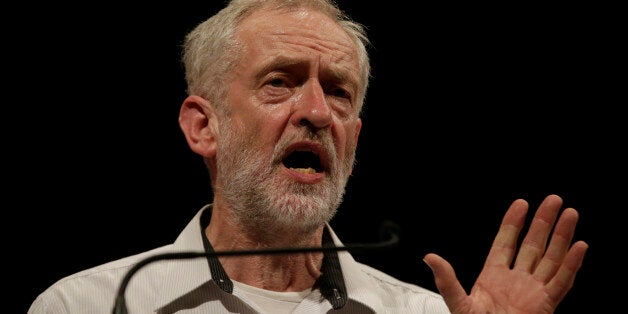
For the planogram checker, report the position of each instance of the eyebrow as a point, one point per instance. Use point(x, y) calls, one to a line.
point(333, 72)
point(281, 62)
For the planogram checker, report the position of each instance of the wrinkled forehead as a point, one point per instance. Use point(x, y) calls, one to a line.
point(303, 32)
point(305, 22)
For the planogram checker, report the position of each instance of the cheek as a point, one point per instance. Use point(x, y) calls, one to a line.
point(346, 136)
point(274, 119)
point(263, 128)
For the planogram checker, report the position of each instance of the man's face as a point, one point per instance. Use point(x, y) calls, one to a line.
point(287, 151)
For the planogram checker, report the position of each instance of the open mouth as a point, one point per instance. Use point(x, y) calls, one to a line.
point(304, 161)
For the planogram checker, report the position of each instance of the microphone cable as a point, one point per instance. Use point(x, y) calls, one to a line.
point(388, 230)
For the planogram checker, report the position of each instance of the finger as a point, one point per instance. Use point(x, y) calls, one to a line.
point(505, 244)
point(446, 281)
point(562, 282)
point(559, 245)
point(535, 241)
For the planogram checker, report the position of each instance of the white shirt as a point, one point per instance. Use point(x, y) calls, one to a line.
point(186, 286)
point(273, 302)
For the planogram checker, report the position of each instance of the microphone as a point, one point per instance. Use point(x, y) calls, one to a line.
point(388, 231)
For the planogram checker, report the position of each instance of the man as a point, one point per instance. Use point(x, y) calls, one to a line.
point(276, 90)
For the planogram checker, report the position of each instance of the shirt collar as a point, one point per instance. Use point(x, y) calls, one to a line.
point(331, 283)
point(342, 277)
point(183, 277)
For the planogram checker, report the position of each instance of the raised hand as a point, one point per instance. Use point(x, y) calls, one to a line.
point(535, 281)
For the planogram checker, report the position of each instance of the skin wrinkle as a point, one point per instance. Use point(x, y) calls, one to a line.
point(317, 39)
point(316, 44)
point(501, 246)
point(335, 49)
point(344, 72)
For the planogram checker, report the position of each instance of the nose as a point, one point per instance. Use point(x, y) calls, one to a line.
point(312, 109)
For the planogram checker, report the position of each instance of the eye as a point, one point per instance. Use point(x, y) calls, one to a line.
point(277, 82)
point(275, 88)
point(339, 92)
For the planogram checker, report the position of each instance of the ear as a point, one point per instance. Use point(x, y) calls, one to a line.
point(198, 121)
point(358, 127)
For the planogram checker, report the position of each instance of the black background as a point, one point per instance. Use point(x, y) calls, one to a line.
point(470, 107)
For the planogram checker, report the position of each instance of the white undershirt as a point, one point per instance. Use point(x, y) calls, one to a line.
point(273, 301)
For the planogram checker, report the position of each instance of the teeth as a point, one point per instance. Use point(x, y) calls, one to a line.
point(305, 170)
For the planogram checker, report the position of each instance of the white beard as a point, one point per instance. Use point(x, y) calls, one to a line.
point(263, 201)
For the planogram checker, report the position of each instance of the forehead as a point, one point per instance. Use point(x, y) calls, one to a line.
point(301, 31)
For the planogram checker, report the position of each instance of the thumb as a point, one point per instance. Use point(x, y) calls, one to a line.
point(446, 281)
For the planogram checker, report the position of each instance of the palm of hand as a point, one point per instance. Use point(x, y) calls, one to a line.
point(500, 289)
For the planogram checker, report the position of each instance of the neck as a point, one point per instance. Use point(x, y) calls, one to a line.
point(284, 272)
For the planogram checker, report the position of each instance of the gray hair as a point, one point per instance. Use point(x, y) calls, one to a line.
point(210, 50)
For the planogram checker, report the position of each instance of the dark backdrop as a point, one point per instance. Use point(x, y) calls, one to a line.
point(470, 107)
